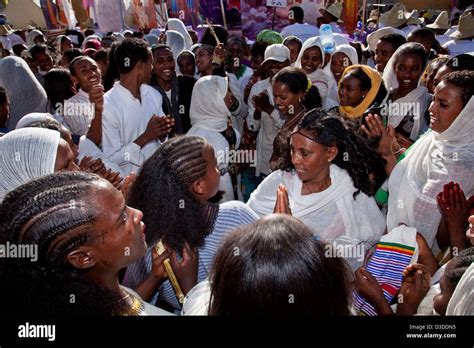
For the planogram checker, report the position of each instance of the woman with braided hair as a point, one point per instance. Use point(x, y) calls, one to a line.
point(174, 189)
point(326, 184)
point(83, 234)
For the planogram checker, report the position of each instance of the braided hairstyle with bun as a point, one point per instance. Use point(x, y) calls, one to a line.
point(162, 192)
point(54, 214)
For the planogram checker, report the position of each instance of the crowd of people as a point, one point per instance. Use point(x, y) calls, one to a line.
point(284, 177)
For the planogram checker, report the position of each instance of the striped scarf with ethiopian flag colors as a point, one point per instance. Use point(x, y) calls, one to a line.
point(394, 252)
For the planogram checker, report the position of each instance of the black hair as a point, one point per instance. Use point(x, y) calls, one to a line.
point(463, 80)
point(208, 38)
point(54, 214)
point(297, 81)
point(38, 49)
point(72, 53)
point(75, 60)
point(416, 49)
point(396, 40)
point(3, 96)
point(58, 86)
point(128, 53)
point(208, 48)
point(436, 63)
point(102, 55)
point(293, 39)
point(78, 34)
point(461, 62)
point(354, 153)
point(458, 266)
point(275, 268)
point(258, 49)
point(18, 48)
point(112, 73)
point(161, 192)
point(424, 33)
point(236, 39)
point(157, 47)
point(364, 79)
point(298, 13)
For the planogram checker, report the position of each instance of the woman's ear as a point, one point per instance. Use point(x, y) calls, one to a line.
point(81, 258)
point(332, 153)
point(197, 187)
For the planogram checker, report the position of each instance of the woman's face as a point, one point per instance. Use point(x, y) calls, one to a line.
point(273, 67)
point(294, 51)
point(66, 44)
point(350, 92)
point(445, 107)
point(235, 53)
point(310, 159)
point(65, 158)
point(311, 60)
point(203, 60)
point(211, 180)
point(408, 69)
point(444, 70)
point(440, 301)
point(122, 232)
point(187, 66)
point(285, 100)
point(339, 62)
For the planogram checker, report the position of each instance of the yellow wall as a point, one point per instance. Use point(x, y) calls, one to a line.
point(20, 13)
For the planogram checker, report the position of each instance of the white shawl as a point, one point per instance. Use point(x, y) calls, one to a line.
point(208, 109)
point(24, 91)
point(333, 214)
point(26, 154)
point(175, 41)
point(177, 25)
point(322, 79)
point(419, 97)
point(433, 161)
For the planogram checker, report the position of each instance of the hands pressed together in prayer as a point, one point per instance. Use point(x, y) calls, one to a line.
point(282, 205)
point(159, 127)
point(96, 166)
point(455, 208)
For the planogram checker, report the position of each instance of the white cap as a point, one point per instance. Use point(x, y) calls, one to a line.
point(277, 52)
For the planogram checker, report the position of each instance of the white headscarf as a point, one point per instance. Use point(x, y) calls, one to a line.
point(175, 41)
point(26, 120)
point(31, 36)
point(151, 39)
point(208, 109)
point(433, 161)
point(349, 51)
point(322, 79)
point(26, 154)
point(177, 25)
point(462, 301)
point(24, 91)
point(418, 95)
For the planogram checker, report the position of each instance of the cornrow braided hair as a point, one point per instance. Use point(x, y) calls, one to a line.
point(162, 192)
point(354, 154)
point(460, 264)
point(52, 213)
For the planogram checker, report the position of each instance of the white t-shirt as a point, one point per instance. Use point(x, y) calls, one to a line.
point(456, 46)
point(302, 31)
